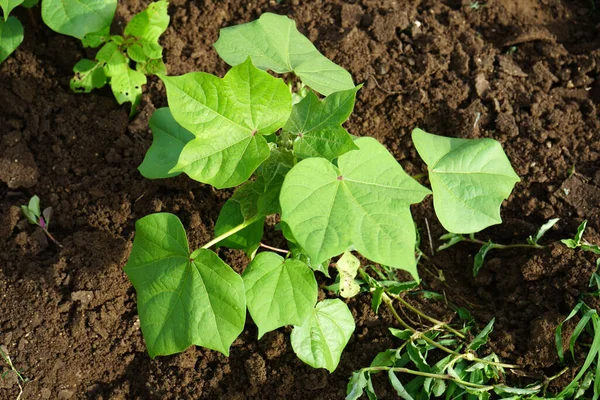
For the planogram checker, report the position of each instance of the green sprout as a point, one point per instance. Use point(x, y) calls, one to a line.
point(35, 216)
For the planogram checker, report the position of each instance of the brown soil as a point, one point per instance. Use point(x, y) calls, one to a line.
point(524, 72)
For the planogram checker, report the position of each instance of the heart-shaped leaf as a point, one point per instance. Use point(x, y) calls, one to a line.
point(469, 177)
point(8, 5)
point(169, 138)
point(182, 299)
point(363, 202)
point(274, 43)
point(11, 36)
point(317, 125)
point(229, 117)
point(78, 18)
point(279, 292)
point(320, 340)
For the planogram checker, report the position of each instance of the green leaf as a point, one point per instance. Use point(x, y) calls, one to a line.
point(348, 266)
point(8, 5)
point(29, 215)
point(279, 292)
point(404, 334)
point(376, 299)
point(480, 257)
point(89, 75)
point(95, 39)
point(229, 117)
point(30, 3)
point(182, 299)
point(469, 177)
point(149, 24)
point(397, 385)
point(274, 43)
point(113, 59)
point(356, 386)
point(11, 36)
point(136, 53)
point(77, 18)
point(558, 332)
point(127, 87)
point(320, 340)
point(542, 231)
point(152, 67)
point(34, 206)
point(482, 337)
point(317, 125)
point(363, 202)
point(169, 138)
point(272, 173)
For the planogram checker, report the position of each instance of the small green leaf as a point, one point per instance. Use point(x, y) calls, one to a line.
point(273, 42)
point(152, 67)
point(231, 215)
point(78, 18)
point(11, 36)
point(89, 75)
point(169, 138)
point(317, 125)
point(34, 206)
point(95, 39)
point(113, 59)
point(356, 386)
point(183, 299)
point(136, 53)
point(482, 337)
point(480, 257)
point(397, 385)
point(30, 3)
point(8, 5)
point(404, 334)
point(376, 300)
point(229, 117)
point(364, 202)
point(348, 266)
point(320, 340)
point(127, 87)
point(503, 389)
point(29, 215)
point(469, 177)
point(149, 24)
point(279, 292)
point(542, 231)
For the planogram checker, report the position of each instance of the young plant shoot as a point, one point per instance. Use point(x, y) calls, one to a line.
point(288, 154)
point(35, 216)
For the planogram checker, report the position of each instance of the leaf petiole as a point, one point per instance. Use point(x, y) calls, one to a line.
point(232, 231)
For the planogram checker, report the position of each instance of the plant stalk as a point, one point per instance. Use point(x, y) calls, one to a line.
point(275, 249)
point(428, 375)
point(231, 232)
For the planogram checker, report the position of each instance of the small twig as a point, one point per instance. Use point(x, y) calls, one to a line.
point(429, 236)
point(278, 250)
point(56, 242)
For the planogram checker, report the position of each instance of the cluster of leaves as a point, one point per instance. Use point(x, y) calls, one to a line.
point(288, 155)
point(90, 22)
point(138, 44)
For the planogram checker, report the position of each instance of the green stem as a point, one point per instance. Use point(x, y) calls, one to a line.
point(505, 246)
point(20, 377)
point(231, 232)
point(428, 375)
point(420, 176)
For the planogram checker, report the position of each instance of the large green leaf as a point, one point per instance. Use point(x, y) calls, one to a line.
point(169, 138)
point(8, 5)
point(469, 177)
point(363, 202)
point(274, 43)
point(182, 299)
point(229, 117)
point(77, 18)
point(320, 340)
point(317, 125)
point(11, 36)
point(279, 292)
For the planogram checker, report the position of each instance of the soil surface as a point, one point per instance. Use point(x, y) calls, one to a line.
point(524, 72)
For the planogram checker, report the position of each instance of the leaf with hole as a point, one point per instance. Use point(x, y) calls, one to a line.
point(469, 178)
point(273, 42)
point(320, 340)
point(183, 299)
point(279, 292)
point(229, 118)
point(364, 202)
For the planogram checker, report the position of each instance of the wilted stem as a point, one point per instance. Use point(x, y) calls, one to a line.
point(275, 249)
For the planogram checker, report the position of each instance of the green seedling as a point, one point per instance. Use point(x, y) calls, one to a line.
point(578, 242)
point(288, 155)
point(112, 65)
point(35, 216)
point(11, 29)
point(21, 380)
